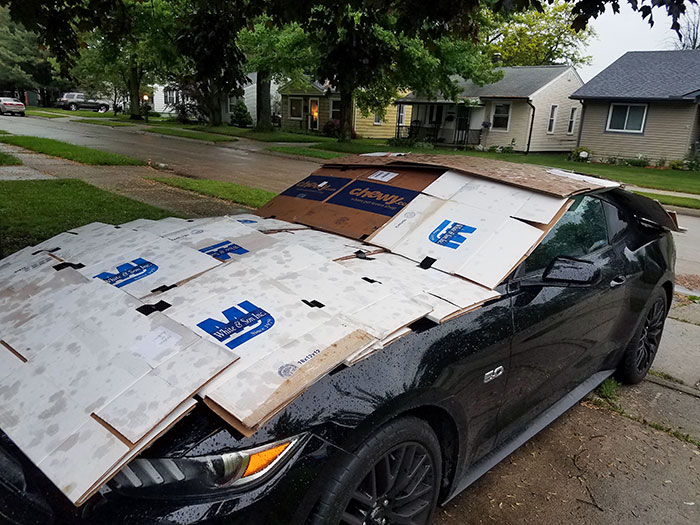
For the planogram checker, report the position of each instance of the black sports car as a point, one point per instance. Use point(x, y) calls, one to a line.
point(389, 438)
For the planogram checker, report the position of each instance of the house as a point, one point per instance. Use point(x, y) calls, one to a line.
point(308, 105)
point(529, 109)
point(645, 104)
point(165, 97)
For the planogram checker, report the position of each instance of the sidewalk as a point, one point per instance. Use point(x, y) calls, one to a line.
point(129, 181)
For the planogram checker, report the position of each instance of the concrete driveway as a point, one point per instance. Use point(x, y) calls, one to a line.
point(243, 161)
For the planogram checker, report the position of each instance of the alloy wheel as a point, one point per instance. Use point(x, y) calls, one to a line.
point(650, 337)
point(398, 489)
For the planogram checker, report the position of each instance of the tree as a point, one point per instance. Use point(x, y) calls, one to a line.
point(19, 55)
point(274, 53)
point(211, 65)
point(536, 38)
point(689, 32)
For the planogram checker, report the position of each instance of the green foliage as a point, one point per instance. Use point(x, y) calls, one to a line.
point(640, 161)
point(9, 160)
point(660, 163)
point(240, 116)
point(34, 210)
point(81, 154)
point(229, 191)
point(676, 165)
point(575, 154)
point(187, 134)
point(534, 38)
point(607, 390)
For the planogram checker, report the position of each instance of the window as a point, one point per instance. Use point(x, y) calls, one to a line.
point(627, 118)
point(582, 230)
point(572, 122)
point(400, 114)
point(501, 117)
point(335, 109)
point(170, 97)
point(552, 122)
point(377, 120)
point(295, 108)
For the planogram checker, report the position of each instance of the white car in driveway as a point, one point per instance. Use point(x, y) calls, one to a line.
point(11, 106)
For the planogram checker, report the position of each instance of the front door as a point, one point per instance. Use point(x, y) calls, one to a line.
point(313, 114)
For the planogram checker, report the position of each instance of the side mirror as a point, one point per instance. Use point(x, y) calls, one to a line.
point(566, 270)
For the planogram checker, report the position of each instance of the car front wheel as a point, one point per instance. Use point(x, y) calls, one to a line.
point(102, 109)
point(641, 350)
point(393, 477)
point(73, 106)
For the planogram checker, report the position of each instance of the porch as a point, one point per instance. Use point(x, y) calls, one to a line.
point(445, 123)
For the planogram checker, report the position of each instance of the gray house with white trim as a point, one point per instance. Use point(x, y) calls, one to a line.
point(645, 104)
point(529, 109)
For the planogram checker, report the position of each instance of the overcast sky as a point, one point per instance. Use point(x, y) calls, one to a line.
point(622, 32)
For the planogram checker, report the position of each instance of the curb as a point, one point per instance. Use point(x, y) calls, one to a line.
point(673, 386)
point(683, 211)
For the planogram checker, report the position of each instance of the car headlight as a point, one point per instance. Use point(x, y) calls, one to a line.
point(202, 474)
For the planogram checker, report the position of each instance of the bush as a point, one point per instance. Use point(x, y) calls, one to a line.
point(580, 154)
point(187, 112)
point(612, 160)
point(240, 116)
point(660, 163)
point(420, 144)
point(676, 165)
point(639, 161)
point(332, 128)
point(406, 142)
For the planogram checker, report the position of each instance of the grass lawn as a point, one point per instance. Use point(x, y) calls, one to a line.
point(271, 136)
point(38, 113)
point(306, 152)
point(67, 113)
point(671, 200)
point(35, 210)
point(9, 160)
point(189, 134)
point(100, 122)
point(81, 154)
point(229, 191)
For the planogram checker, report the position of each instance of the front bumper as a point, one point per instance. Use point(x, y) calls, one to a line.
point(284, 497)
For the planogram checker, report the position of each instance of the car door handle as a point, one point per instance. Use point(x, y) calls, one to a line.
point(617, 281)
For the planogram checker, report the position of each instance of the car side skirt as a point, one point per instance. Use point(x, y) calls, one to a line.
point(482, 466)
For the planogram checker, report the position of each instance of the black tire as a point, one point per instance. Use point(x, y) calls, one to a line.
point(393, 477)
point(641, 350)
point(73, 106)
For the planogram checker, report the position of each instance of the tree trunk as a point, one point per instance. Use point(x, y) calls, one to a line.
point(345, 116)
point(134, 92)
point(263, 106)
point(214, 109)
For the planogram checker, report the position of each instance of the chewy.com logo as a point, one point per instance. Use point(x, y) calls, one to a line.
point(451, 234)
point(243, 322)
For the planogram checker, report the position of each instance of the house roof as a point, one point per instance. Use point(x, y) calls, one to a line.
point(517, 82)
point(305, 87)
point(647, 75)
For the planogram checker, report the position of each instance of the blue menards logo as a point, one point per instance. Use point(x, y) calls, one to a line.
point(243, 322)
point(450, 234)
point(128, 272)
point(222, 250)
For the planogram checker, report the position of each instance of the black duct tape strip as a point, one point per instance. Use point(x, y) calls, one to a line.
point(313, 304)
point(370, 280)
point(427, 263)
point(163, 288)
point(62, 266)
point(148, 309)
point(363, 255)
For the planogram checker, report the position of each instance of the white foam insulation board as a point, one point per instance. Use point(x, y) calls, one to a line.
point(110, 334)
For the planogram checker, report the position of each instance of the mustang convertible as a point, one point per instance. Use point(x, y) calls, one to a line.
point(385, 438)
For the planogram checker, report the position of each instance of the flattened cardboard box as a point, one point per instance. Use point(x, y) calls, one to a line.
point(351, 202)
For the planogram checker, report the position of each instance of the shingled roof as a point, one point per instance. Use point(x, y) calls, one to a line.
point(647, 75)
point(517, 82)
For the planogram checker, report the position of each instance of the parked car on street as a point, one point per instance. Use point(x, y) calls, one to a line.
point(11, 106)
point(389, 436)
point(76, 101)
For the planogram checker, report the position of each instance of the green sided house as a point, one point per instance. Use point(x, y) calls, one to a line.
point(529, 109)
point(645, 104)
